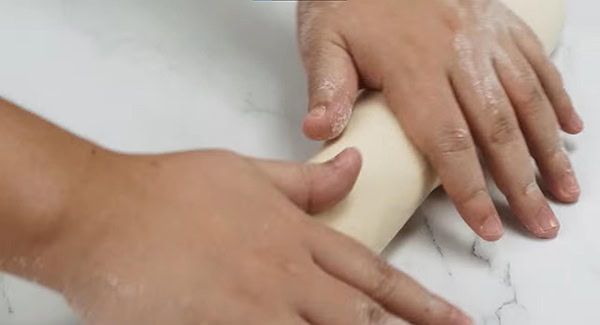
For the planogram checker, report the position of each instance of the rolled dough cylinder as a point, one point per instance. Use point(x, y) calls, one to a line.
point(396, 178)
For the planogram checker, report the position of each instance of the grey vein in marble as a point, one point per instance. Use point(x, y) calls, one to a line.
point(479, 253)
point(435, 243)
point(513, 302)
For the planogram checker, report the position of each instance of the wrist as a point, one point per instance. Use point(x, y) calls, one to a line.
point(41, 232)
point(95, 212)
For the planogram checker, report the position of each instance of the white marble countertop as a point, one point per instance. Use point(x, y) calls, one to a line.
point(180, 74)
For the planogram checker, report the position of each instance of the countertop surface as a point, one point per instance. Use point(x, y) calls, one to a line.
point(153, 76)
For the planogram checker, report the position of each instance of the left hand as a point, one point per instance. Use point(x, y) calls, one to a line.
point(457, 73)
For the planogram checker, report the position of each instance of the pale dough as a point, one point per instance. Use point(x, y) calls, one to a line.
point(395, 177)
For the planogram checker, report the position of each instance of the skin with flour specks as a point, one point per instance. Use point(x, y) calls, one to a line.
point(396, 177)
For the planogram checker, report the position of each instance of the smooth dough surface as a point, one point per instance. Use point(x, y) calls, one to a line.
point(396, 178)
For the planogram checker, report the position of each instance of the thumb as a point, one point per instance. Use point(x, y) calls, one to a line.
point(332, 89)
point(315, 187)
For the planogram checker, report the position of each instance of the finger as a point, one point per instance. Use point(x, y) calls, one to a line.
point(496, 129)
point(538, 123)
point(439, 129)
point(315, 187)
point(550, 79)
point(352, 263)
point(329, 301)
point(332, 87)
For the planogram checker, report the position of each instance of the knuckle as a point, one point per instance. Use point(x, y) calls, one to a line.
point(520, 189)
point(472, 195)
point(373, 314)
point(532, 102)
point(530, 188)
point(551, 149)
point(448, 314)
point(386, 281)
point(495, 102)
point(504, 130)
point(453, 140)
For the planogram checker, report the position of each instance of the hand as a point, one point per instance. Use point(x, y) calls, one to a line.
point(456, 73)
point(216, 238)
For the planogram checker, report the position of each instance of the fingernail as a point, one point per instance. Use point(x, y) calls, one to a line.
point(571, 186)
point(492, 227)
point(547, 220)
point(317, 112)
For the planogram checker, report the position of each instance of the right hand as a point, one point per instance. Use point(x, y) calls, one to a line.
point(216, 238)
point(462, 77)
